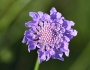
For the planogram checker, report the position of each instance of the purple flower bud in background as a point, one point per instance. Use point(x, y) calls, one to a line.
point(51, 34)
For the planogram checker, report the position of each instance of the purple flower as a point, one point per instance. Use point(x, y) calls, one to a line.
point(51, 34)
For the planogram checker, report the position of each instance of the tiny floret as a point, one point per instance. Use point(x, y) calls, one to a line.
point(50, 34)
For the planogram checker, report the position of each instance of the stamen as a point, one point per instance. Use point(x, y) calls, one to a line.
point(47, 35)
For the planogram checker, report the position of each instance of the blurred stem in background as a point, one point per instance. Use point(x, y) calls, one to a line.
point(12, 13)
point(37, 64)
point(83, 60)
point(4, 6)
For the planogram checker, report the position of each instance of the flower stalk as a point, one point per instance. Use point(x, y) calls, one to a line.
point(37, 64)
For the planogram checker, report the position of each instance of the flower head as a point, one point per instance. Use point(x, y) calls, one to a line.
point(51, 34)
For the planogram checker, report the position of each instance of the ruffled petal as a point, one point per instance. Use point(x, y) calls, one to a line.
point(74, 33)
point(30, 23)
point(65, 24)
point(70, 23)
point(31, 45)
point(40, 14)
point(68, 34)
point(64, 48)
point(53, 10)
point(24, 39)
point(58, 55)
point(34, 15)
point(46, 17)
point(41, 55)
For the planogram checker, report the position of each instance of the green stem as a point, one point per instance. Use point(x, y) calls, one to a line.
point(37, 65)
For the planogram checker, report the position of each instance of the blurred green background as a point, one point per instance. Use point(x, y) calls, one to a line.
point(13, 15)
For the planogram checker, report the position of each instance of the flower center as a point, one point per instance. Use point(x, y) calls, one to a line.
point(47, 35)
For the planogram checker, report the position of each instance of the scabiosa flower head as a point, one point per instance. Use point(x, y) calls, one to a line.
point(51, 34)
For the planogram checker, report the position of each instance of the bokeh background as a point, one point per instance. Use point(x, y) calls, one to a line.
point(13, 15)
